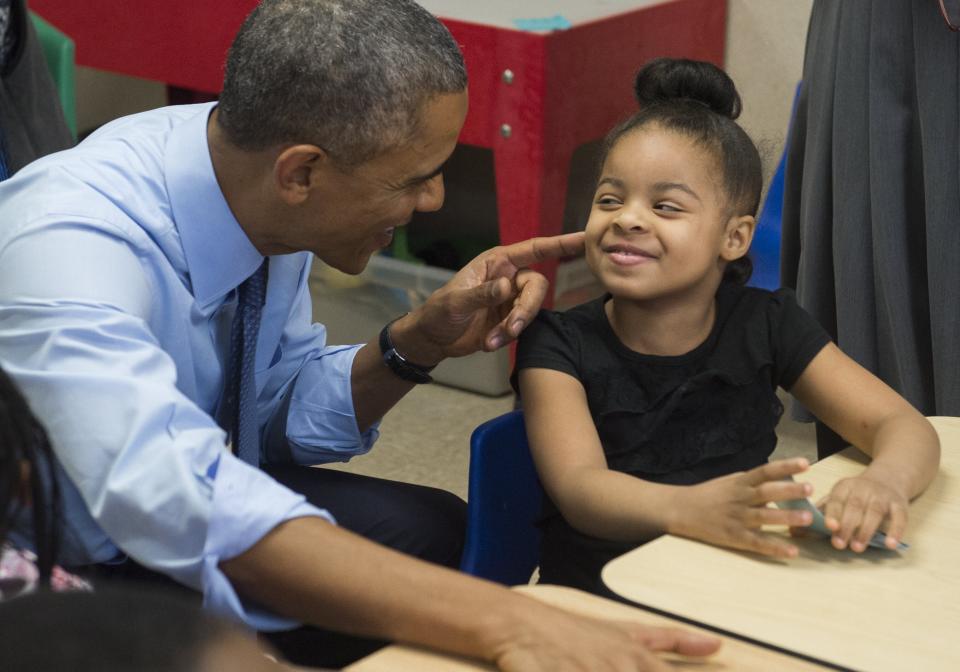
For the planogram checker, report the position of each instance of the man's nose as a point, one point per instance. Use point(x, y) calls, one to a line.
point(431, 195)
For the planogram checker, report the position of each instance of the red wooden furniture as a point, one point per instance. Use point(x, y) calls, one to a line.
point(563, 88)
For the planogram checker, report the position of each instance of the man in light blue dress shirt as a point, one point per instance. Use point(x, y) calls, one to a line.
point(119, 265)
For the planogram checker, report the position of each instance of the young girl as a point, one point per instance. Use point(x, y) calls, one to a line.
point(652, 410)
point(25, 467)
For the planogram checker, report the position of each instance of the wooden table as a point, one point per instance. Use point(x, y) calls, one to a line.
point(535, 96)
point(881, 610)
point(734, 655)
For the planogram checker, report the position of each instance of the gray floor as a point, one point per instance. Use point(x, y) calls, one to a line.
point(425, 439)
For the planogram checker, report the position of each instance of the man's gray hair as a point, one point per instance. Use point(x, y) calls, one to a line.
point(350, 76)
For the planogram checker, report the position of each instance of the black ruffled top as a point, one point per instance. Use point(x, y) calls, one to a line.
point(685, 419)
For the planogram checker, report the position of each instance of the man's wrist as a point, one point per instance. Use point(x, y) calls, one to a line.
point(514, 620)
point(411, 344)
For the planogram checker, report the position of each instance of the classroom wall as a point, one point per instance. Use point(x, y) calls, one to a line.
point(102, 96)
point(765, 40)
point(765, 43)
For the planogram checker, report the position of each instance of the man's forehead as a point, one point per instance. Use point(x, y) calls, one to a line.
point(423, 155)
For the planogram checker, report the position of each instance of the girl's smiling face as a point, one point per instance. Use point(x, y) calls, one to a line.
point(660, 225)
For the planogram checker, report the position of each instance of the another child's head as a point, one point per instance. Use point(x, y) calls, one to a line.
point(26, 478)
point(120, 628)
point(679, 187)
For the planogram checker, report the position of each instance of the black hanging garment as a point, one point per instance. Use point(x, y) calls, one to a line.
point(31, 118)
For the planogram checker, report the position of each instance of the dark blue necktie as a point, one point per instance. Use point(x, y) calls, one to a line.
point(238, 408)
point(4, 166)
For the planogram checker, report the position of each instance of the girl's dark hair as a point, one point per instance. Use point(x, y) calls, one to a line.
point(23, 441)
point(699, 100)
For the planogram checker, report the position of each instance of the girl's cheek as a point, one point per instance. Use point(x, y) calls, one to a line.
point(592, 257)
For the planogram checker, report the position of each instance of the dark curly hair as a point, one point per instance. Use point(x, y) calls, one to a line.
point(24, 443)
point(699, 100)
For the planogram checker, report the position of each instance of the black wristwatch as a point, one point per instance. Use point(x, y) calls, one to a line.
point(396, 362)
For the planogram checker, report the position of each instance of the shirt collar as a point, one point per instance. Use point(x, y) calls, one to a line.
point(218, 253)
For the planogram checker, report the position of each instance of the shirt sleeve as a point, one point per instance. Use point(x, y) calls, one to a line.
point(315, 421)
point(798, 337)
point(548, 343)
point(150, 466)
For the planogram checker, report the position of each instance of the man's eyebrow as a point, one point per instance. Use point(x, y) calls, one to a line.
point(667, 186)
point(614, 182)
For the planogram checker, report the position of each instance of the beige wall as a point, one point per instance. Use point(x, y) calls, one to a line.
point(102, 96)
point(765, 41)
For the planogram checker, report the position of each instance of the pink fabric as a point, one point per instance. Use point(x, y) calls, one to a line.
point(19, 575)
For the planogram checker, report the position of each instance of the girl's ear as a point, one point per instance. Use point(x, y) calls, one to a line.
point(738, 236)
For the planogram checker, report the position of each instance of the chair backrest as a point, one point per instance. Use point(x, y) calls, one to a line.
point(765, 251)
point(503, 503)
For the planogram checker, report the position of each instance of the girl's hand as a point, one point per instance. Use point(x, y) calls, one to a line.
point(857, 507)
point(729, 511)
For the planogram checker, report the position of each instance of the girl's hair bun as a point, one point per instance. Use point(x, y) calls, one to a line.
point(669, 79)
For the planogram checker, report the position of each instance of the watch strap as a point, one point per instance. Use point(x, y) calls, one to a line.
point(397, 363)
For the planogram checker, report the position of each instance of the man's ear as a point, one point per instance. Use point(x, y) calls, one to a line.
point(738, 236)
point(296, 170)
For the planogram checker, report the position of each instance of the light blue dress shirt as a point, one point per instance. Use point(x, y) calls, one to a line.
point(119, 263)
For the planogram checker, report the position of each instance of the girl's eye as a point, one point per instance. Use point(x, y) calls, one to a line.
point(607, 200)
point(666, 207)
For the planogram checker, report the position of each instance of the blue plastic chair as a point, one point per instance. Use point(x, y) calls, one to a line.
point(765, 250)
point(503, 503)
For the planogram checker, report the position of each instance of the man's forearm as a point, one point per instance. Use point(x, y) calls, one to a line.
point(375, 388)
point(313, 571)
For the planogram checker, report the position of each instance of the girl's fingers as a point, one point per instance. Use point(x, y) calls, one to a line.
point(873, 515)
point(776, 470)
point(897, 524)
point(854, 509)
point(761, 515)
point(854, 512)
point(833, 509)
point(769, 545)
point(778, 491)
